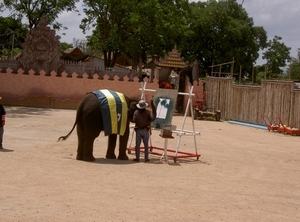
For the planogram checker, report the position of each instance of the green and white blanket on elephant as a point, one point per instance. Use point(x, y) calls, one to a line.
point(114, 111)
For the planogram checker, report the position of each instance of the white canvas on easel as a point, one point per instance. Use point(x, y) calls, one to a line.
point(165, 101)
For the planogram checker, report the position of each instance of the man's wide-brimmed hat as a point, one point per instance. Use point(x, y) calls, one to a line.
point(142, 104)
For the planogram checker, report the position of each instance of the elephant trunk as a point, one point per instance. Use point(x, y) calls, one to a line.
point(153, 111)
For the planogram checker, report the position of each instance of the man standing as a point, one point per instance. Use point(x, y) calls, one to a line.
point(142, 119)
point(2, 114)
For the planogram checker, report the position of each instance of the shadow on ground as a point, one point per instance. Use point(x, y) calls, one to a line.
point(6, 150)
point(23, 112)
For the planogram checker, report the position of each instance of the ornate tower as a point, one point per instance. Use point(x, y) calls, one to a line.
point(41, 49)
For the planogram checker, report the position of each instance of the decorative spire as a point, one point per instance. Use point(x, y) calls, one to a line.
point(173, 60)
point(43, 21)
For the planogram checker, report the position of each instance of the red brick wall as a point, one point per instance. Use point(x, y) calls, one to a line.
point(64, 92)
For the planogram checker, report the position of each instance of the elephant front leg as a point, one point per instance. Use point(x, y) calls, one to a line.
point(112, 141)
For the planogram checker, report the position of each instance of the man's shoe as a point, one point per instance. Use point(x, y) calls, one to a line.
point(147, 160)
point(136, 160)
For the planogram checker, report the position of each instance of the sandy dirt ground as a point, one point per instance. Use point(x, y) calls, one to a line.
point(243, 174)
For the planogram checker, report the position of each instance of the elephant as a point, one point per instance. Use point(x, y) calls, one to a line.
point(89, 121)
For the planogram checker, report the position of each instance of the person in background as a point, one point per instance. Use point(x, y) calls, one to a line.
point(2, 113)
point(142, 119)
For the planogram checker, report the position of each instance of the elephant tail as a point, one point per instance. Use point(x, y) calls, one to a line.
point(67, 136)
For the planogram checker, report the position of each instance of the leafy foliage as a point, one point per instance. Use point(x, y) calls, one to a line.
point(294, 69)
point(136, 29)
point(260, 73)
point(277, 54)
point(64, 46)
point(12, 35)
point(221, 31)
point(108, 18)
point(33, 10)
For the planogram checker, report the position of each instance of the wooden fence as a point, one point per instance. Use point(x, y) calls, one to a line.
point(276, 99)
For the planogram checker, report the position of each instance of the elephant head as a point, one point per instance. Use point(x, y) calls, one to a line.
point(153, 110)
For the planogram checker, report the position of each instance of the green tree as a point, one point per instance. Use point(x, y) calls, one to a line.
point(133, 28)
point(260, 71)
point(64, 46)
point(12, 35)
point(294, 69)
point(33, 10)
point(220, 31)
point(155, 27)
point(277, 55)
point(108, 18)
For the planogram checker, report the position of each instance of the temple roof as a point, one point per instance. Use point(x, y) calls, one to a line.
point(173, 60)
point(73, 54)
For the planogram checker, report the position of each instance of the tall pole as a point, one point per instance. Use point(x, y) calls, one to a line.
point(240, 77)
point(232, 67)
point(290, 69)
point(12, 45)
point(252, 73)
point(265, 71)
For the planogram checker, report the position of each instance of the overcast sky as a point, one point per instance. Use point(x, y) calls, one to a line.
point(277, 17)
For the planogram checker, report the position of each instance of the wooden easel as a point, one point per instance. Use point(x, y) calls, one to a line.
point(180, 132)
